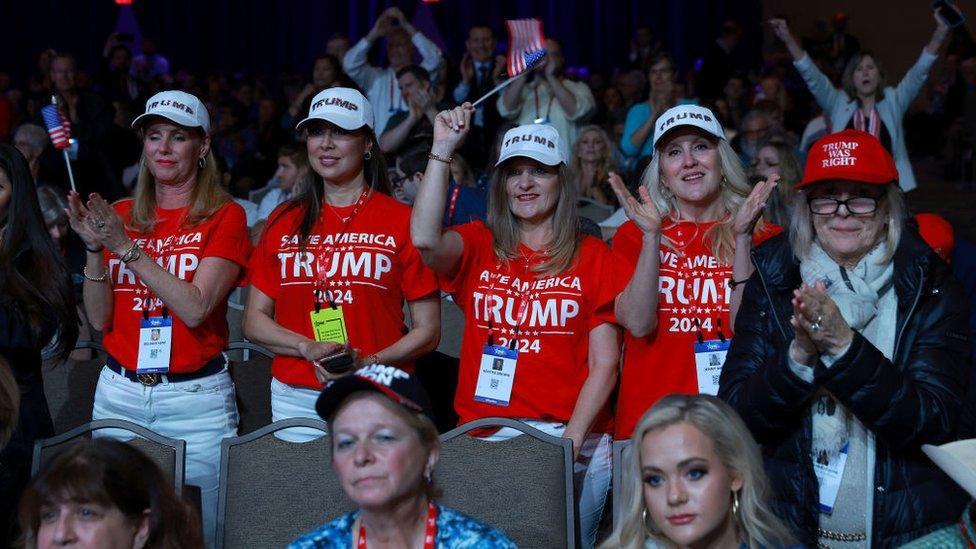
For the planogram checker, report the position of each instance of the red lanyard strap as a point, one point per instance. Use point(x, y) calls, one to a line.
point(324, 254)
point(430, 532)
point(453, 205)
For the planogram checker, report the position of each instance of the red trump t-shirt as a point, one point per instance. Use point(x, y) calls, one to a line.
point(372, 267)
point(694, 293)
point(553, 336)
point(179, 250)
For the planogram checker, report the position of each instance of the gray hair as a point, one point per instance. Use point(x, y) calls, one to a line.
point(35, 135)
point(891, 204)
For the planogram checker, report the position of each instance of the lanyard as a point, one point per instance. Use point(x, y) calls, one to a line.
point(392, 109)
point(324, 254)
point(522, 310)
point(535, 91)
point(872, 125)
point(430, 533)
point(453, 205)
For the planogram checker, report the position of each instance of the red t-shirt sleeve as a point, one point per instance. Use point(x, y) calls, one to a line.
point(769, 230)
point(418, 279)
point(264, 269)
point(627, 246)
point(475, 236)
point(611, 278)
point(230, 238)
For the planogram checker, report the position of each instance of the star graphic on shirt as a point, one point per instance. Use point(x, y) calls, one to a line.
point(348, 283)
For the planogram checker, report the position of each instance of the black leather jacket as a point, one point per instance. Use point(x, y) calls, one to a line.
point(912, 400)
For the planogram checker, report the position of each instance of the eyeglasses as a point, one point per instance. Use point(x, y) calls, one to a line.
point(858, 205)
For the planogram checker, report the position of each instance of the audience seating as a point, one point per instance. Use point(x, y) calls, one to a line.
point(272, 491)
point(522, 486)
point(70, 387)
point(621, 457)
point(168, 453)
point(250, 368)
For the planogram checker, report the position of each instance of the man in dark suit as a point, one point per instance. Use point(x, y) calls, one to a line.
point(480, 72)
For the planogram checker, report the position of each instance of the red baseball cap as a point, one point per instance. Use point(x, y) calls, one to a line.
point(850, 155)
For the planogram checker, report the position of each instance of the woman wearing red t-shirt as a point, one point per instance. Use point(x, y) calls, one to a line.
point(687, 245)
point(334, 266)
point(158, 271)
point(537, 295)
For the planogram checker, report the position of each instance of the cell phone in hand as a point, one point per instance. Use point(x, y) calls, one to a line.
point(948, 13)
point(337, 363)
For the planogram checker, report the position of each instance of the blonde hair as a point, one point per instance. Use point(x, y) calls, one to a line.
point(757, 525)
point(735, 189)
point(891, 204)
point(607, 163)
point(206, 198)
point(506, 234)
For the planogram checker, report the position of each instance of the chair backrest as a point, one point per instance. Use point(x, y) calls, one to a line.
point(69, 386)
point(272, 491)
point(621, 456)
point(522, 486)
point(250, 368)
point(168, 453)
point(452, 328)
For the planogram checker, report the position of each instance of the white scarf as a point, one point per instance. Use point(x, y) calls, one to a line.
point(866, 299)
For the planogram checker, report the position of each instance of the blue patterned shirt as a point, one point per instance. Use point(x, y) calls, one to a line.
point(454, 531)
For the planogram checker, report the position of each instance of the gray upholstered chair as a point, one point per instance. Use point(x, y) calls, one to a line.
point(622, 455)
point(168, 453)
point(272, 491)
point(70, 387)
point(250, 368)
point(522, 486)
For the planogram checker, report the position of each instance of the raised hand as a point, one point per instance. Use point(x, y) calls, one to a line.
point(781, 29)
point(752, 208)
point(108, 225)
point(644, 213)
point(817, 313)
point(467, 68)
point(450, 128)
point(82, 222)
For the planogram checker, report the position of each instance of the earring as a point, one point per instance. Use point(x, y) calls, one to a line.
point(368, 155)
point(666, 192)
point(647, 530)
point(202, 162)
point(735, 506)
point(427, 476)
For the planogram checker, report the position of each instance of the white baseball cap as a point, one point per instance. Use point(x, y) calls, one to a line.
point(687, 115)
point(344, 107)
point(536, 141)
point(181, 108)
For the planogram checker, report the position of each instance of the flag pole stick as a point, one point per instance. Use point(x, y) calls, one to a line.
point(71, 175)
point(499, 87)
point(67, 161)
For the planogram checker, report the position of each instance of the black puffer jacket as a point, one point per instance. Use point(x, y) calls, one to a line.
point(913, 400)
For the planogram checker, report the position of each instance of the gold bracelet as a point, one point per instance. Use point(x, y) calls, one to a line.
point(447, 160)
point(84, 271)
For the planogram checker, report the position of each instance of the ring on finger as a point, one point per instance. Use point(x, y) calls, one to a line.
point(814, 326)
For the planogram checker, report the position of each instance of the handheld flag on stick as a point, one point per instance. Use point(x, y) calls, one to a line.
point(59, 128)
point(526, 49)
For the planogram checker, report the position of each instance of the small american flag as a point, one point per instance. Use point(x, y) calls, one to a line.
point(526, 45)
point(58, 126)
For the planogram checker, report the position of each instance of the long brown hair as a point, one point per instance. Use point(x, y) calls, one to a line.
point(566, 234)
point(206, 198)
point(607, 164)
point(112, 473)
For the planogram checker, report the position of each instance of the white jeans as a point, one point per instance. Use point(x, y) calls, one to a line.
point(200, 411)
point(591, 471)
point(288, 402)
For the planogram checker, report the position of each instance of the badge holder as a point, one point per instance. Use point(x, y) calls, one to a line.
point(830, 473)
point(328, 324)
point(155, 345)
point(709, 358)
point(496, 374)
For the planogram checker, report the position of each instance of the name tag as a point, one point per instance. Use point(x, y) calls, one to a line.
point(329, 324)
point(496, 375)
point(709, 358)
point(155, 342)
point(830, 472)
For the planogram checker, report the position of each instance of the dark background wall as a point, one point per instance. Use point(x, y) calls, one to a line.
point(266, 36)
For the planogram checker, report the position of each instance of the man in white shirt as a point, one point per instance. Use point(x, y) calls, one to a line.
point(380, 84)
point(549, 98)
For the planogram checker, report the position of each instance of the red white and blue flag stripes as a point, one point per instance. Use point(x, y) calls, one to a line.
point(58, 126)
point(526, 45)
